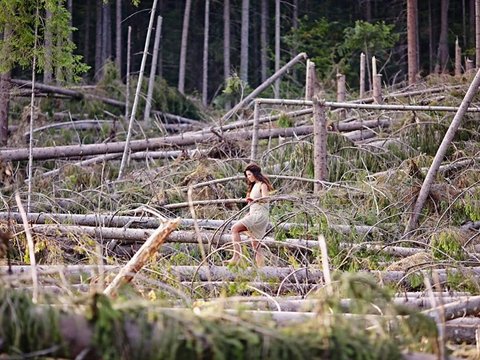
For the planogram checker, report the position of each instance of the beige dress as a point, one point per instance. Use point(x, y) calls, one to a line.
point(256, 221)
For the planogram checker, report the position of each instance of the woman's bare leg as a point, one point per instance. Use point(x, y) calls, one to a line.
point(237, 248)
point(258, 251)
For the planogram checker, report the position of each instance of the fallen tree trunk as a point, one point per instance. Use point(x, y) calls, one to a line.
point(352, 105)
point(310, 304)
point(186, 139)
point(285, 274)
point(49, 89)
point(465, 307)
point(339, 126)
point(139, 155)
point(44, 153)
point(85, 124)
point(179, 236)
point(392, 250)
point(463, 330)
point(99, 228)
point(358, 135)
point(147, 222)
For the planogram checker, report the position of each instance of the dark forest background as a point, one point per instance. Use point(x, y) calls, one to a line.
point(315, 26)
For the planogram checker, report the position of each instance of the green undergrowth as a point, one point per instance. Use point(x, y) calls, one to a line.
point(147, 330)
point(448, 245)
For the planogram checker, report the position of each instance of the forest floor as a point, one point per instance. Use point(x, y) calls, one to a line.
point(341, 247)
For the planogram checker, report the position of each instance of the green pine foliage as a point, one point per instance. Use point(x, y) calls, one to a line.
point(18, 21)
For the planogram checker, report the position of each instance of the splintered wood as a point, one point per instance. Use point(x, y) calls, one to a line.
point(149, 248)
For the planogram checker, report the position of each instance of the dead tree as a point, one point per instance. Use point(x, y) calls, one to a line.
point(319, 143)
point(442, 149)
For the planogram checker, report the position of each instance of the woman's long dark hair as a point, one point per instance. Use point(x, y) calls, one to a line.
point(257, 172)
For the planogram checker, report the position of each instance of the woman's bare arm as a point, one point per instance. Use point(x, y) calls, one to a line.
point(264, 189)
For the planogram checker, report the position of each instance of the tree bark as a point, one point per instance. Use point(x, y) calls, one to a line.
point(48, 69)
point(377, 89)
point(310, 81)
point(458, 59)
point(442, 52)
point(430, 38)
point(70, 11)
point(256, 123)
point(341, 93)
point(98, 40)
point(471, 23)
point(477, 34)
point(412, 29)
point(464, 23)
point(127, 75)
point(113, 102)
point(4, 107)
point(86, 45)
point(205, 54)
point(294, 49)
point(285, 275)
point(244, 40)
point(106, 32)
point(226, 40)
point(276, 89)
point(5, 86)
point(153, 70)
point(319, 143)
point(264, 40)
point(183, 47)
point(362, 75)
point(118, 36)
point(461, 308)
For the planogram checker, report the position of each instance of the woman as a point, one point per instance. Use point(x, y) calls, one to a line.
point(255, 223)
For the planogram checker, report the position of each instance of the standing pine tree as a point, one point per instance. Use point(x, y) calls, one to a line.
point(412, 30)
point(18, 20)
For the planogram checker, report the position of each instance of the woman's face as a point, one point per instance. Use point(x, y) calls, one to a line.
point(250, 177)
